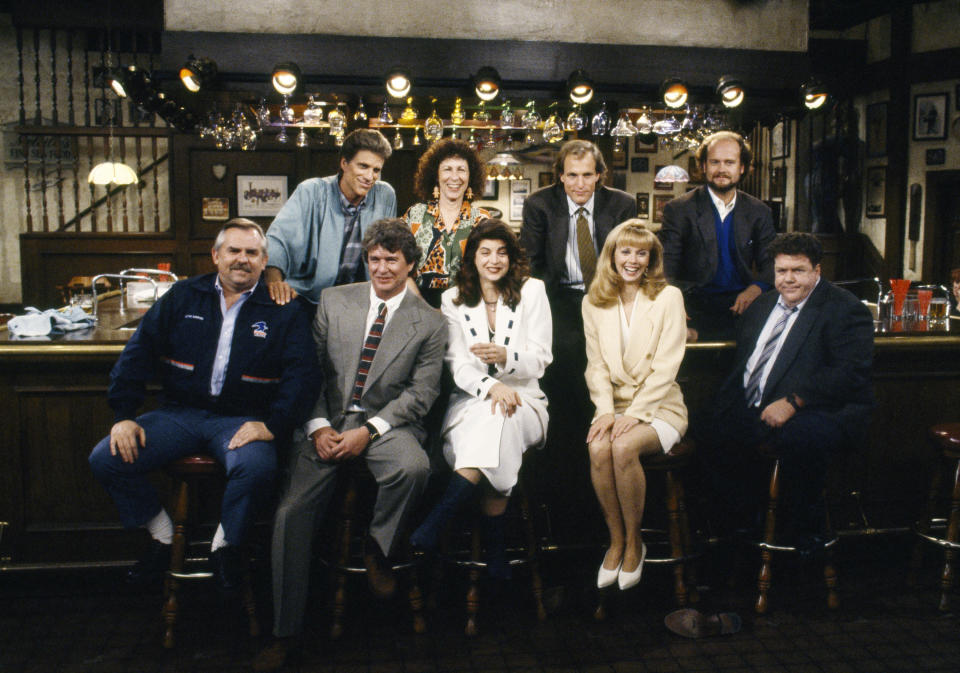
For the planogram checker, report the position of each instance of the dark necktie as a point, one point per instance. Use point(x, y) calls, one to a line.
point(370, 345)
point(351, 250)
point(752, 392)
point(588, 254)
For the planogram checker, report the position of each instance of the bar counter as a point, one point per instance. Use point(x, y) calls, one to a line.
point(54, 398)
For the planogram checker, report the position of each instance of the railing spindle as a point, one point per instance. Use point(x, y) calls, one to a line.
point(139, 148)
point(23, 112)
point(38, 116)
point(25, 147)
point(156, 185)
point(53, 75)
point(90, 160)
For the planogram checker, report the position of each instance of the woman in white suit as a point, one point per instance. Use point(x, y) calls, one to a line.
point(499, 346)
point(635, 328)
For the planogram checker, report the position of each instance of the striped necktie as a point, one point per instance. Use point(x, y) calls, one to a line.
point(585, 249)
point(752, 393)
point(370, 345)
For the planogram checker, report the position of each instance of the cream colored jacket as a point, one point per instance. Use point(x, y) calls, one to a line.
point(642, 382)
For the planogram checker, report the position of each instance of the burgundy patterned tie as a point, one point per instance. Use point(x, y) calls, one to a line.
point(369, 350)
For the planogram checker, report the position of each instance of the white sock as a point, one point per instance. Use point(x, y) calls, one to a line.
point(160, 527)
point(218, 539)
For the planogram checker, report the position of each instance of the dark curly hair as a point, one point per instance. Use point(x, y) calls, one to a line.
point(428, 169)
point(797, 243)
point(392, 234)
point(468, 279)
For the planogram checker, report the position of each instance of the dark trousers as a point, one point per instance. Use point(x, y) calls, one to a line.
point(710, 314)
point(738, 476)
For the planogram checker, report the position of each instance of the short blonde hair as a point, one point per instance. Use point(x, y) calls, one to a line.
point(607, 283)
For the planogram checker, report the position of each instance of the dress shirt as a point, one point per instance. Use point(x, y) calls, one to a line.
point(723, 208)
point(393, 303)
point(768, 326)
point(222, 358)
point(574, 276)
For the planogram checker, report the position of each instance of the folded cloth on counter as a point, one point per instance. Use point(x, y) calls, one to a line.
point(40, 323)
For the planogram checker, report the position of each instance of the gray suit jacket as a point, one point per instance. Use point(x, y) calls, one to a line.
point(405, 376)
point(689, 237)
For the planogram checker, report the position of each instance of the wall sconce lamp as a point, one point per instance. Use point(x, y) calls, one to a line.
point(675, 92)
point(398, 83)
point(580, 87)
point(814, 93)
point(197, 73)
point(129, 82)
point(486, 83)
point(730, 90)
point(285, 78)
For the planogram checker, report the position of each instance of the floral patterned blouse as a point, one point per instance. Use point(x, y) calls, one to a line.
point(441, 245)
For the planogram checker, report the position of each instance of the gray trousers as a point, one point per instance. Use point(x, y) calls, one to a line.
point(400, 466)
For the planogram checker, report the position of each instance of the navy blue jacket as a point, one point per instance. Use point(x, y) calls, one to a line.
point(272, 373)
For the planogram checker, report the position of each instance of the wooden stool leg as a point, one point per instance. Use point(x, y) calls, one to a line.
point(532, 555)
point(250, 605)
point(829, 572)
point(676, 544)
point(178, 552)
point(770, 527)
point(346, 533)
point(916, 562)
point(690, 568)
point(473, 592)
point(415, 596)
point(953, 535)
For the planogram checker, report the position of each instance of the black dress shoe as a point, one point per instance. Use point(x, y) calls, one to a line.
point(228, 567)
point(380, 575)
point(151, 568)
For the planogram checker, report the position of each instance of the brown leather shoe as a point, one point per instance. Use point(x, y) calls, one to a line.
point(380, 575)
point(273, 656)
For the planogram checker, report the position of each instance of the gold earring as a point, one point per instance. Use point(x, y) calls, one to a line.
point(436, 192)
point(469, 195)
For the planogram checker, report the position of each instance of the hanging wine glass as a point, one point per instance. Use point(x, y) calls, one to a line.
point(302, 138)
point(576, 119)
point(644, 125)
point(337, 119)
point(338, 139)
point(385, 116)
point(507, 117)
point(600, 124)
point(263, 113)
point(416, 136)
point(286, 112)
point(282, 137)
point(360, 115)
point(531, 118)
point(624, 127)
point(397, 140)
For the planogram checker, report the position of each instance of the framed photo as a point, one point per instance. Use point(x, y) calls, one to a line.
point(519, 191)
point(491, 190)
point(661, 186)
point(639, 164)
point(641, 146)
point(780, 140)
point(778, 182)
point(877, 130)
point(618, 159)
point(930, 112)
point(260, 195)
point(936, 157)
point(216, 209)
point(544, 178)
point(643, 205)
point(659, 201)
point(876, 190)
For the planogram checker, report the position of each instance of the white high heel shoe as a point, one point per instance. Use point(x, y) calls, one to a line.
point(606, 578)
point(630, 579)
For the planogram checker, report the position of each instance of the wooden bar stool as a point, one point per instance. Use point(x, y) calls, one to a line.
point(189, 472)
point(348, 551)
point(678, 526)
point(946, 439)
point(769, 545)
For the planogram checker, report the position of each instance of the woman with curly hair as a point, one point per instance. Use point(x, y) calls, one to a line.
point(635, 328)
point(499, 345)
point(448, 176)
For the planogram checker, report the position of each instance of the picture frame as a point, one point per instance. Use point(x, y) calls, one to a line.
point(780, 140)
point(661, 186)
point(215, 209)
point(544, 179)
point(618, 159)
point(930, 116)
point(519, 191)
point(876, 191)
point(640, 164)
point(260, 195)
point(491, 190)
point(659, 201)
point(778, 182)
point(641, 146)
point(876, 120)
point(936, 157)
point(643, 205)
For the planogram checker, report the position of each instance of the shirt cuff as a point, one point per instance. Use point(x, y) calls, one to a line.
point(381, 425)
point(315, 424)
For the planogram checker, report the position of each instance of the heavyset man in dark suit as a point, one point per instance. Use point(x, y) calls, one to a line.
point(802, 383)
point(373, 409)
point(564, 227)
point(714, 235)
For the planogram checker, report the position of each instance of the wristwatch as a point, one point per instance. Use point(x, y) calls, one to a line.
point(794, 401)
point(372, 429)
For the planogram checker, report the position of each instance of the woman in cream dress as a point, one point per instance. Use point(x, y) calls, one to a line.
point(499, 346)
point(635, 330)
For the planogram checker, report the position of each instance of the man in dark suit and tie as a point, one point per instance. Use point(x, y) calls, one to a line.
point(713, 237)
point(381, 351)
point(564, 227)
point(802, 383)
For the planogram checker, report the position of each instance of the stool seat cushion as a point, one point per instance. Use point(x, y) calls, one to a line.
point(947, 435)
point(676, 458)
point(195, 464)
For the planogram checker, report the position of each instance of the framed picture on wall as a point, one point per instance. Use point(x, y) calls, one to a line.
point(260, 195)
point(659, 201)
point(639, 164)
point(778, 182)
point(643, 144)
point(877, 130)
point(491, 190)
point(618, 159)
point(215, 209)
point(780, 140)
point(519, 191)
point(643, 205)
point(930, 112)
point(876, 190)
point(936, 157)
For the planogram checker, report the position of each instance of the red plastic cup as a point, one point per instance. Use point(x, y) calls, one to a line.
point(923, 303)
point(900, 286)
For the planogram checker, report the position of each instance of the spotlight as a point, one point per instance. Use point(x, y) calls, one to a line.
point(285, 78)
point(129, 82)
point(197, 73)
point(730, 91)
point(487, 83)
point(814, 94)
point(674, 92)
point(580, 87)
point(398, 83)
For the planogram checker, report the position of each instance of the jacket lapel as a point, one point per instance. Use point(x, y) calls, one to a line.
point(796, 338)
point(398, 333)
point(559, 225)
point(609, 330)
point(351, 331)
point(635, 351)
point(707, 228)
point(474, 321)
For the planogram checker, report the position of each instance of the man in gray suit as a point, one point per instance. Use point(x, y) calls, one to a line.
point(381, 350)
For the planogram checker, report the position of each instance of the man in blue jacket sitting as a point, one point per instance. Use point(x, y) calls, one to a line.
point(238, 372)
